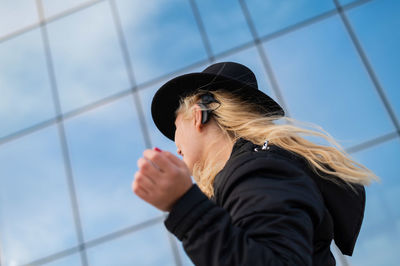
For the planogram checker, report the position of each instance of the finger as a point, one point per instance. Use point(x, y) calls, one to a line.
point(160, 159)
point(144, 182)
point(139, 190)
point(147, 168)
point(151, 162)
point(141, 193)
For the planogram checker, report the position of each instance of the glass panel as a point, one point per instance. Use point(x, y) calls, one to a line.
point(250, 58)
point(15, 15)
point(87, 58)
point(34, 199)
point(157, 139)
point(105, 145)
point(377, 27)
point(225, 24)
point(148, 246)
point(270, 16)
point(72, 260)
point(380, 249)
point(146, 96)
point(380, 232)
point(162, 36)
point(185, 260)
point(25, 90)
point(54, 7)
point(324, 82)
point(345, 2)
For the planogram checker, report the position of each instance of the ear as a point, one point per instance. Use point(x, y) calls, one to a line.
point(197, 118)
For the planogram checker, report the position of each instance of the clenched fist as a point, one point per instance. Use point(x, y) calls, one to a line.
point(162, 179)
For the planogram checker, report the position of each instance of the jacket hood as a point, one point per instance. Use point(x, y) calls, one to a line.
point(346, 204)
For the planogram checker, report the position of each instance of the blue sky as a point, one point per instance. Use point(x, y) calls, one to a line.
point(317, 68)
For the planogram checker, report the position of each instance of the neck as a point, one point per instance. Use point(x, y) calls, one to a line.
point(219, 148)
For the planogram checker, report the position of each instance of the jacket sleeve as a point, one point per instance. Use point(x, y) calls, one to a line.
point(268, 216)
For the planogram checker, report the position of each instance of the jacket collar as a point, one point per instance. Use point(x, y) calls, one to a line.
point(241, 145)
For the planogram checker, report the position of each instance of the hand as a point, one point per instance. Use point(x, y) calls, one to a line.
point(162, 179)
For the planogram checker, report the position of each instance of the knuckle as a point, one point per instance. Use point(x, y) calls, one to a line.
point(139, 179)
point(146, 152)
point(145, 166)
point(137, 175)
point(155, 156)
point(140, 162)
point(135, 187)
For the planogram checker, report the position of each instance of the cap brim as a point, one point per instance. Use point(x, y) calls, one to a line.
point(166, 100)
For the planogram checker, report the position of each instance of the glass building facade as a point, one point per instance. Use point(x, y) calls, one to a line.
point(76, 82)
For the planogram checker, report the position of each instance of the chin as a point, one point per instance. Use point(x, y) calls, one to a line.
point(190, 166)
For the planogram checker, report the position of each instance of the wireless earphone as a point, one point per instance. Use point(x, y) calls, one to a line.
point(205, 112)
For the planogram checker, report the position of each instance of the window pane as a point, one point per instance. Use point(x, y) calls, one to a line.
point(225, 24)
point(54, 7)
point(345, 2)
point(380, 232)
point(377, 27)
point(162, 36)
point(250, 58)
point(34, 199)
point(72, 260)
point(146, 95)
point(105, 145)
point(270, 16)
point(15, 15)
point(324, 82)
point(25, 90)
point(157, 139)
point(87, 58)
point(148, 246)
point(185, 260)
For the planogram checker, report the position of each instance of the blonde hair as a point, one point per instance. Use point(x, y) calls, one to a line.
point(240, 119)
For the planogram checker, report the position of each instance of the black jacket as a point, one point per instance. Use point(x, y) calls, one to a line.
point(269, 208)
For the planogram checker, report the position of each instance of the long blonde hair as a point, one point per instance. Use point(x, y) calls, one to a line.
point(239, 119)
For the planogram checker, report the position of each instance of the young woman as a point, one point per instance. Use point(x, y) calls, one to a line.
point(264, 194)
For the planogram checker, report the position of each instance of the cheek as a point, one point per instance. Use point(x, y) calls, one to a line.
point(186, 139)
point(178, 138)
